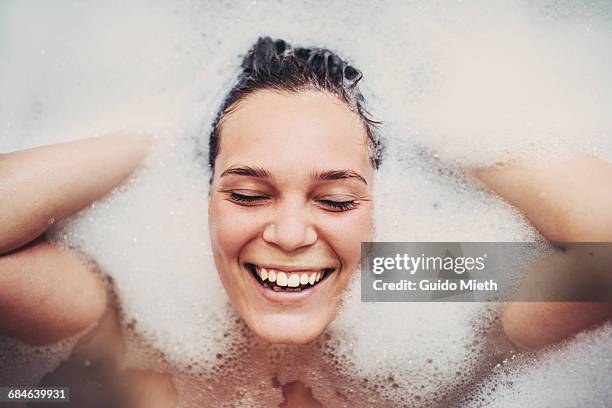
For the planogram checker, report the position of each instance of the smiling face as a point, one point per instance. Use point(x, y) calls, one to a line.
point(290, 205)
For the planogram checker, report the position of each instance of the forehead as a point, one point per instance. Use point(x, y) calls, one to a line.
point(305, 129)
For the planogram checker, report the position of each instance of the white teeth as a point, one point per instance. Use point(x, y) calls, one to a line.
point(313, 278)
point(281, 278)
point(294, 280)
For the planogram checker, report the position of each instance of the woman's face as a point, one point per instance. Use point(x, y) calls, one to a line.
point(290, 205)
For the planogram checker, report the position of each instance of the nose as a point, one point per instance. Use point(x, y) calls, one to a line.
point(290, 228)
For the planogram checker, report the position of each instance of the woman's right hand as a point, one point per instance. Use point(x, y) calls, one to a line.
point(45, 293)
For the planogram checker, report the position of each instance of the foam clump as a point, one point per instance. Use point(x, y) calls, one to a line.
point(477, 83)
point(411, 353)
point(573, 374)
point(23, 364)
point(440, 203)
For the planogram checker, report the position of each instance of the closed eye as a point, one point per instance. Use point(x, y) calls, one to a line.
point(331, 205)
point(339, 205)
point(246, 199)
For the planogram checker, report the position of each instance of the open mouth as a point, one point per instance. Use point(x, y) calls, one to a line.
point(283, 281)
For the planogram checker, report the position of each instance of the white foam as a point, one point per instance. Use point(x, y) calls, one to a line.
point(573, 374)
point(455, 84)
point(24, 365)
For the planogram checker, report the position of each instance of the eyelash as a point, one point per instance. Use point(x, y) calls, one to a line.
point(340, 205)
point(246, 198)
point(335, 205)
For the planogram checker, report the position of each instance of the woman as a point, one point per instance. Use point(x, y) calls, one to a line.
point(292, 157)
point(286, 232)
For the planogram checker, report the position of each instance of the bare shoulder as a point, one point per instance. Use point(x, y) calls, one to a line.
point(48, 294)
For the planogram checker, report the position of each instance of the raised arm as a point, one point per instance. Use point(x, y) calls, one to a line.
point(568, 200)
point(45, 184)
point(45, 294)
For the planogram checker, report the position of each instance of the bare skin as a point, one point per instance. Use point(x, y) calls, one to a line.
point(47, 295)
point(567, 201)
point(297, 395)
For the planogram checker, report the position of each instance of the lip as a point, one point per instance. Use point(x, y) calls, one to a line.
point(291, 268)
point(286, 297)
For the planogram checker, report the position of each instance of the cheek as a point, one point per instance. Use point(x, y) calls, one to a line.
point(345, 235)
point(230, 229)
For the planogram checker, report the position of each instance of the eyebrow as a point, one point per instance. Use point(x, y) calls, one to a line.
point(330, 175)
point(326, 175)
point(247, 171)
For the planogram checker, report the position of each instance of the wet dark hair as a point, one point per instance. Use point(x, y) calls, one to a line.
point(275, 65)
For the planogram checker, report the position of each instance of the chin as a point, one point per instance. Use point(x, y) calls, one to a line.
point(288, 329)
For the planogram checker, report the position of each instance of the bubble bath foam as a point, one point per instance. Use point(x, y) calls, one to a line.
point(455, 85)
